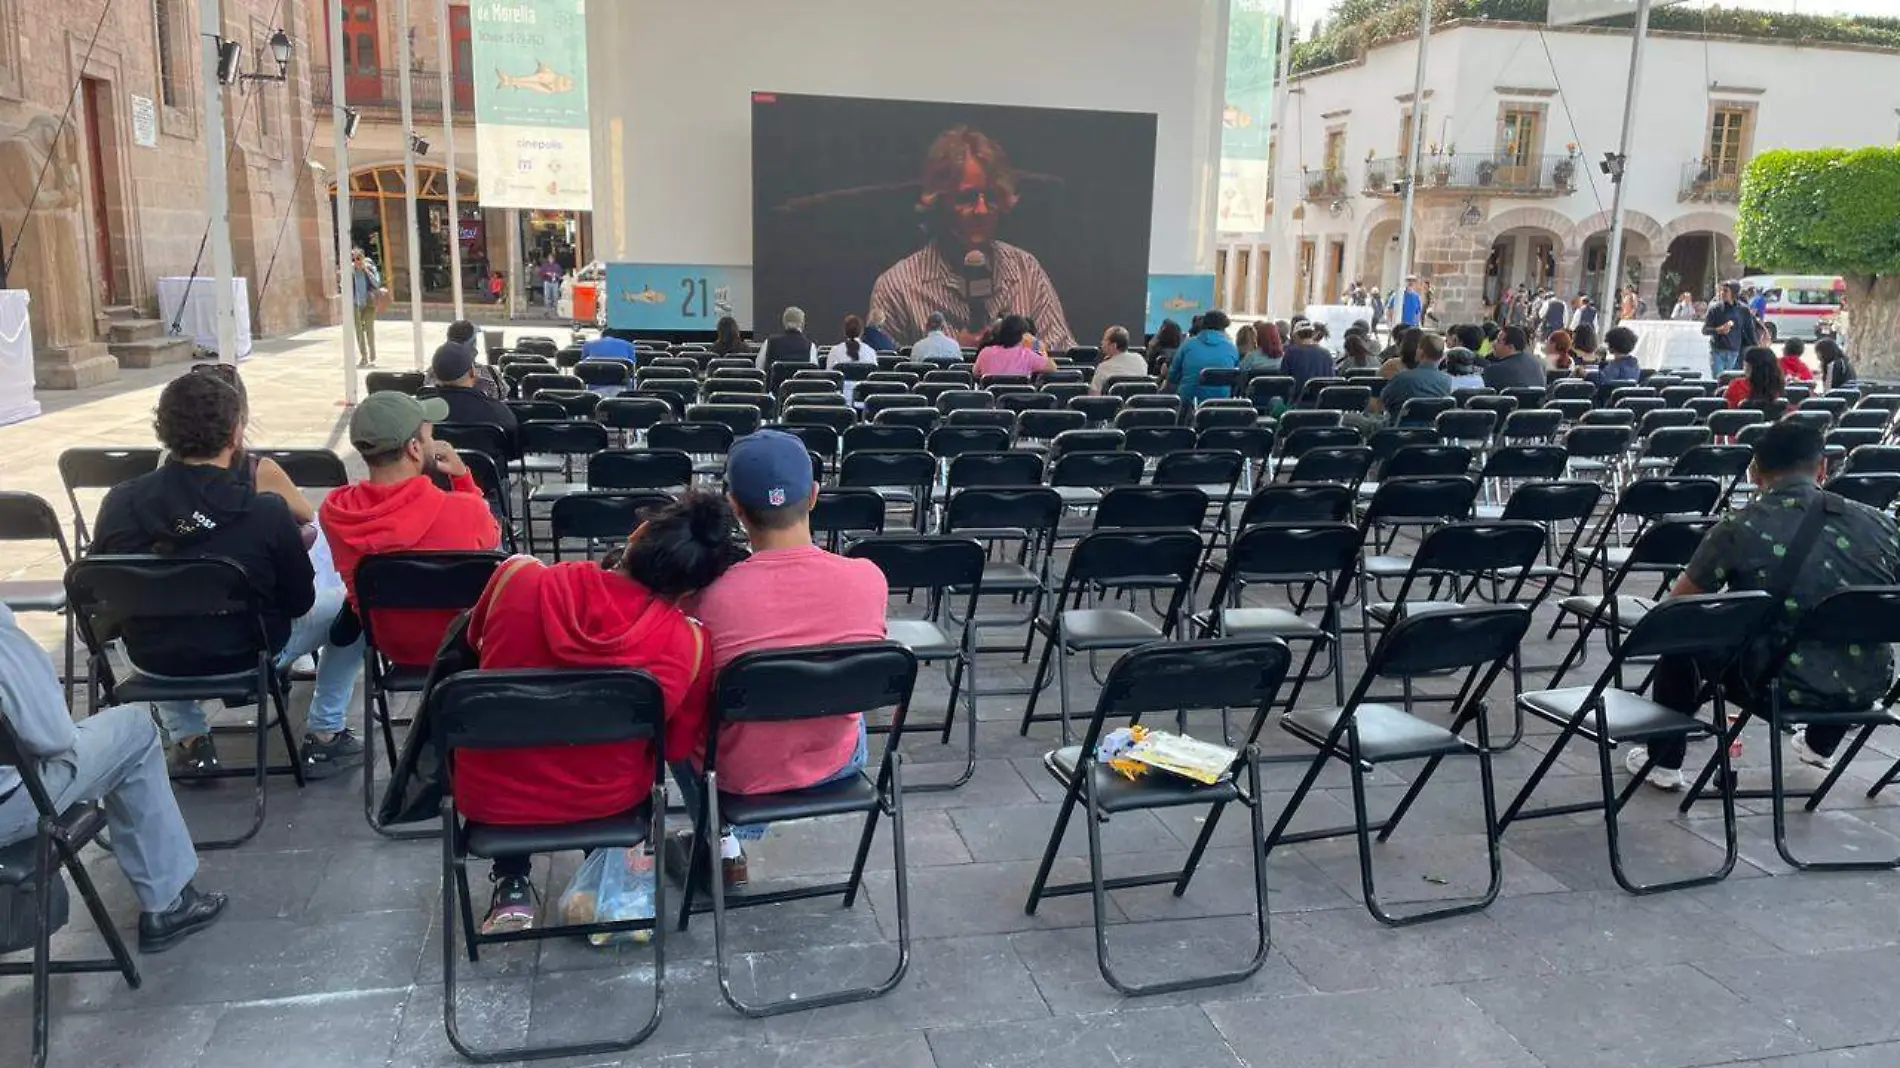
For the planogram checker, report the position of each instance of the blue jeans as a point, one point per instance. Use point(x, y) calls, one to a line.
point(1723, 360)
point(693, 785)
point(336, 674)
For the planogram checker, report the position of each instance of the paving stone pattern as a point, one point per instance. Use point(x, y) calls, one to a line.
point(331, 953)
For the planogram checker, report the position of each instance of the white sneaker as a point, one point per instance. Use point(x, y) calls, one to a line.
point(1808, 756)
point(1660, 778)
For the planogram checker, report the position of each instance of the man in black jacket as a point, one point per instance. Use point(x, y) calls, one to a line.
point(202, 502)
point(791, 345)
point(453, 367)
point(1730, 327)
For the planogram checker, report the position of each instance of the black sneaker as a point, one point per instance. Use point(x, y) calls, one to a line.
point(195, 757)
point(324, 759)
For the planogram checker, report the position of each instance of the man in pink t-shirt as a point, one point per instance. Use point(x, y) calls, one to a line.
point(789, 593)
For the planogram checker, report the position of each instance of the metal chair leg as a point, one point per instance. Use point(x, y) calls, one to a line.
point(1776, 765)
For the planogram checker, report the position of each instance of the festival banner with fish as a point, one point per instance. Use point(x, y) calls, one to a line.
point(679, 297)
point(1246, 179)
point(1180, 297)
point(531, 135)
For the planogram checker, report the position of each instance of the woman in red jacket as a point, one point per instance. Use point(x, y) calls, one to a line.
point(616, 614)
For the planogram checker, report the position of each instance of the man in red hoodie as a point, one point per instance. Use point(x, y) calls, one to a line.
point(399, 508)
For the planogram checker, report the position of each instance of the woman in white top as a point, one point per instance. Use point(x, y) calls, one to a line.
point(851, 350)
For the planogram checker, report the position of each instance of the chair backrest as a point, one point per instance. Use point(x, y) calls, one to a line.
point(1477, 548)
point(1346, 398)
point(1155, 442)
point(1297, 502)
point(1532, 424)
point(86, 468)
point(1419, 411)
point(1151, 506)
point(425, 581)
point(535, 383)
point(1661, 418)
point(1649, 498)
point(1295, 551)
point(1264, 390)
point(694, 439)
point(1078, 441)
point(1714, 623)
point(1095, 409)
point(1252, 442)
point(1200, 467)
point(28, 517)
point(1468, 424)
point(923, 561)
point(997, 417)
point(1166, 402)
point(1347, 464)
point(1130, 418)
point(741, 419)
point(947, 442)
point(1873, 489)
point(1554, 501)
point(887, 467)
point(1046, 424)
point(1410, 499)
point(145, 601)
point(1139, 555)
point(1723, 462)
point(1448, 640)
point(544, 410)
point(1097, 469)
point(1664, 545)
point(598, 516)
point(1853, 614)
point(574, 404)
point(1525, 461)
point(1000, 468)
point(952, 400)
point(565, 438)
point(869, 437)
point(1298, 443)
point(1209, 417)
point(536, 708)
point(393, 381)
point(309, 468)
point(1671, 442)
point(814, 682)
point(1178, 676)
point(1598, 442)
point(1032, 512)
point(603, 373)
point(634, 469)
point(847, 511)
point(1427, 460)
point(633, 413)
point(923, 419)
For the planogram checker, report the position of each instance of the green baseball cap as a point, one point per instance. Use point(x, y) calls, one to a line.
point(385, 421)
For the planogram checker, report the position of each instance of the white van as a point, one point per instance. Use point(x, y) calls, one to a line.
point(1797, 304)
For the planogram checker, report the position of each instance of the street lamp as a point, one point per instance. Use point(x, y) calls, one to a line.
point(229, 53)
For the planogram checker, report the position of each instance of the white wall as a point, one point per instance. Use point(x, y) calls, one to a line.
point(671, 86)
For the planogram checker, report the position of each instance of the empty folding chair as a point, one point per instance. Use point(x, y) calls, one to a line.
point(1270, 392)
point(706, 443)
point(1096, 411)
point(903, 477)
point(633, 416)
point(1513, 465)
point(1712, 626)
point(600, 519)
point(1419, 502)
point(864, 438)
point(1531, 426)
point(784, 686)
point(1420, 411)
point(1317, 556)
point(606, 377)
point(489, 711)
point(410, 382)
point(1017, 526)
point(1873, 490)
point(26, 517)
point(1130, 418)
point(1218, 674)
point(1082, 477)
point(1342, 398)
point(1161, 562)
point(939, 567)
point(1006, 468)
point(1156, 442)
point(1344, 465)
point(1038, 430)
point(1253, 443)
point(1363, 734)
point(1660, 551)
point(138, 604)
point(98, 469)
point(840, 515)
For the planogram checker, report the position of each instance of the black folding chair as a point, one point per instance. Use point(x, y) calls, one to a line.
point(903, 477)
point(706, 443)
point(1156, 678)
point(601, 519)
point(1867, 617)
point(1660, 551)
point(1017, 523)
point(785, 686)
point(439, 583)
point(1315, 555)
point(27, 517)
point(30, 872)
point(1713, 626)
point(410, 382)
point(1873, 490)
point(99, 469)
point(844, 514)
point(939, 567)
point(1160, 561)
point(1364, 734)
point(502, 710)
point(140, 603)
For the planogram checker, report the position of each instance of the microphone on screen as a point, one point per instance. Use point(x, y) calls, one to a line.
point(978, 287)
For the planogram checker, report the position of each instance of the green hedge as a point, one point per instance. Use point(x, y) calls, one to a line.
point(1832, 211)
point(1356, 25)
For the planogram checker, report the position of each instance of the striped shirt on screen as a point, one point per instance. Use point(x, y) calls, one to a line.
point(922, 282)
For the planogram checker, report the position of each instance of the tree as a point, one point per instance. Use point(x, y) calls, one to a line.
point(1833, 211)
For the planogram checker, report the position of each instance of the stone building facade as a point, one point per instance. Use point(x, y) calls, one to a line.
point(117, 190)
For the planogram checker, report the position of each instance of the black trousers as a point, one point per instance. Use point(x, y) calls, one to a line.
point(1677, 684)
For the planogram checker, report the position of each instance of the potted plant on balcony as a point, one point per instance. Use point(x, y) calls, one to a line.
point(1487, 171)
point(1565, 172)
point(1441, 165)
point(1315, 184)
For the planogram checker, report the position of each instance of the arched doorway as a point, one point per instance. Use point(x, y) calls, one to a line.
point(377, 227)
point(1596, 280)
point(1379, 260)
point(1525, 256)
point(1697, 262)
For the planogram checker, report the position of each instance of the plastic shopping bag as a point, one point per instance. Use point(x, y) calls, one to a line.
point(611, 885)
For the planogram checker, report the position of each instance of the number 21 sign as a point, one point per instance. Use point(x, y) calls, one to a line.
point(676, 296)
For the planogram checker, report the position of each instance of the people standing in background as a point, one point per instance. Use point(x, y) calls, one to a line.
point(1554, 315)
point(1161, 350)
point(551, 275)
point(726, 341)
point(874, 334)
point(1117, 361)
point(1376, 302)
point(1629, 307)
point(1684, 311)
point(1425, 297)
point(852, 349)
point(1730, 330)
point(1758, 304)
point(1412, 303)
point(365, 280)
point(1586, 314)
point(497, 287)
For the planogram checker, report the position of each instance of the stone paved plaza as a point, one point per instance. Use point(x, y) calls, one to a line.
point(330, 954)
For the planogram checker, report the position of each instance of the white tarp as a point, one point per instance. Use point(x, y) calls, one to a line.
point(1570, 12)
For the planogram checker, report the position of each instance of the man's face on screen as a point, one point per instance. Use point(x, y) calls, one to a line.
point(977, 208)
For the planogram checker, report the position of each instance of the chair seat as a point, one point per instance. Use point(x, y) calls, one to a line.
point(1615, 556)
point(853, 793)
point(1005, 577)
point(895, 494)
point(1388, 566)
point(1259, 622)
point(1629, 610)
point(1157, 789)
point(1583, 465)
point(554, 491)
point(1106, 628)
point(923, 638)
point(1631, 717)
point(488, 841)
point(538, 465)
point(1079, 496)
point(19, 861)
point(137, 688)
point(710, 467)
point(34, 595)
point(404, 678)
point(1385, 733)
point(1385, 611)
point(1487, 511)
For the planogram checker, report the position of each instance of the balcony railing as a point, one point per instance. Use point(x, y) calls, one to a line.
point(381, 90)
point(1322, 184)
point(1477, 172)
point(1707, 183)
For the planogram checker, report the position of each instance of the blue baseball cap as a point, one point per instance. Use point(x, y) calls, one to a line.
point(768, 469)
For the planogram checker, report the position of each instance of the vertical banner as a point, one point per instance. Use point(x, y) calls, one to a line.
point(1180, 297)
point(1253, 44)
point(531, 136)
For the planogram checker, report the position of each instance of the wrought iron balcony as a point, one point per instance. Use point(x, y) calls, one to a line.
point(380, 90)
point(1709, 183)
point(1476, 172)
point(1324, 183)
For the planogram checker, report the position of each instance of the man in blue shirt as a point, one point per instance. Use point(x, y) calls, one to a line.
point(1427, 379)
point(1730, 329)
point(1412, 310)
point(607, 347)
point(1305, 360)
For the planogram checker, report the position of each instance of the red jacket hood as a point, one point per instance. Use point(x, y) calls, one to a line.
point(383, 519)
point(595, 618)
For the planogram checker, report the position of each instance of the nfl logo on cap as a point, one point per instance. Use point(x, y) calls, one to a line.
point(776, 495)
